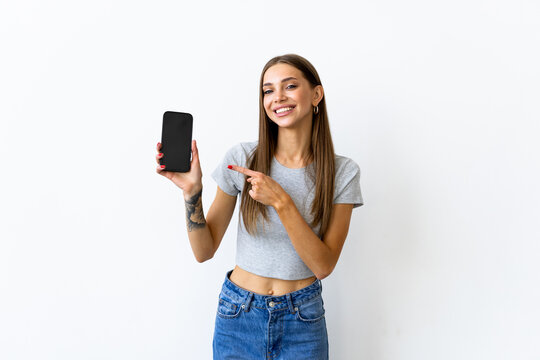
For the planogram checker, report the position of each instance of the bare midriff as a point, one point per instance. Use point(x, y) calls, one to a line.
point(267, 286)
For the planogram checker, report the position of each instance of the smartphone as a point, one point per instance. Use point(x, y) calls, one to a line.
point(176, 141)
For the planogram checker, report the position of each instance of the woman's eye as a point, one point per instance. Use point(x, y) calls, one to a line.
point(290, 86)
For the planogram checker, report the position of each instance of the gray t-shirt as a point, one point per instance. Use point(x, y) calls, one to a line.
point(271, 253)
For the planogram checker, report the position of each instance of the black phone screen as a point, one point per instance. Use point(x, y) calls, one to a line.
point(176, 141)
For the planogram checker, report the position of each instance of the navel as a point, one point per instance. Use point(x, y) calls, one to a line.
point(270, 292)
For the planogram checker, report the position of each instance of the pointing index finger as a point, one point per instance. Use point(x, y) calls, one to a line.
point(243, 170)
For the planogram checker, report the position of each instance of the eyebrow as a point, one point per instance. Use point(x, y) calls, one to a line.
point(286, 79)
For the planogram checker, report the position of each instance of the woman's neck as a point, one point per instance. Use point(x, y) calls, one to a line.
point(293, 147)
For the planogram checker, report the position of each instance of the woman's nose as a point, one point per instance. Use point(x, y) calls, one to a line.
point(279, 95)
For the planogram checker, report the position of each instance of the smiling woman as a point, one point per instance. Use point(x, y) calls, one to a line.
point(297, 197)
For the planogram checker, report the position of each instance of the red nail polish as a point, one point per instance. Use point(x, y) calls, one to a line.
point(160, 154)
point(162, 166)
point(230, 166)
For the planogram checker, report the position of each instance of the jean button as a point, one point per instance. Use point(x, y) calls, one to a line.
point(271, 303)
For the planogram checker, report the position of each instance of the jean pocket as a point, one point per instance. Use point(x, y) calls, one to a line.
point(311, 311)
point(228, 308)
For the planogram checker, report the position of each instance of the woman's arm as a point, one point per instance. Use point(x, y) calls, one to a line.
point(205, 235)
point(319, 256)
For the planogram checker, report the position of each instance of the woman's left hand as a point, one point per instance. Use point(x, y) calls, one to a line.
point(264, 189)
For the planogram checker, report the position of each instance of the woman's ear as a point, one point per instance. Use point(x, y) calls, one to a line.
point(318, 93)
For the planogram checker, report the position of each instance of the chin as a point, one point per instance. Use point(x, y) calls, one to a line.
point(286, 124)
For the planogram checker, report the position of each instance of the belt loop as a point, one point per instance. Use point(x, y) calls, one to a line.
point(290, 303)
point(248, 301)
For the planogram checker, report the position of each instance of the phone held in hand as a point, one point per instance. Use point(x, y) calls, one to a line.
point(176, 141)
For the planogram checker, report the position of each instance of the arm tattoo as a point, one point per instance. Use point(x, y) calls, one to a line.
point(194, 212)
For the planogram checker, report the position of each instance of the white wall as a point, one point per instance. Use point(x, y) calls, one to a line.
point(436, 101)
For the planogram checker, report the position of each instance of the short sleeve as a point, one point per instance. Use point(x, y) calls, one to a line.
point(347, 189)
point(228, 180)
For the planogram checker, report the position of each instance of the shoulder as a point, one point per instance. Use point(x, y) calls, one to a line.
point(248, 146)
point(346, 166)
point(243, 148)
point(347, 184)
point(239, 153)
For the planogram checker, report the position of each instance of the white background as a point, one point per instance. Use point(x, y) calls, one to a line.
point(436, 101)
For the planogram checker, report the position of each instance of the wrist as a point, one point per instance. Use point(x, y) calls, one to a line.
point(283, 203)
point(190, 193)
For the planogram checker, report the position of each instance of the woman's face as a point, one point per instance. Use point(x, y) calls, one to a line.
point(284, 86)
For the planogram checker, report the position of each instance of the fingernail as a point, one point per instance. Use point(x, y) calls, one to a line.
point(162, 166)
point(160, 154)
point(230, 166)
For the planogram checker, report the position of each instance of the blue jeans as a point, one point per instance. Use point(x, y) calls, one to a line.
point(287, 327)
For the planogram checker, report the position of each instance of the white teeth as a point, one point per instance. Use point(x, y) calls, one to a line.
point(283, 109)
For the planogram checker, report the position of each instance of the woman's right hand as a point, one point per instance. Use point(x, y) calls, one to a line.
point(190, 182)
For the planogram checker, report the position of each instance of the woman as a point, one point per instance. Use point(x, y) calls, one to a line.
point(297, 198)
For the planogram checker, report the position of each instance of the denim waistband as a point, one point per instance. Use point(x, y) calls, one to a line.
point(290, 300)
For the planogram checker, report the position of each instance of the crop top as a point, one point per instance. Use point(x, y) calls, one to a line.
point(271, 253)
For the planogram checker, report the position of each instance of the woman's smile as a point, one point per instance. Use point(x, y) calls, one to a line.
point(284, 111)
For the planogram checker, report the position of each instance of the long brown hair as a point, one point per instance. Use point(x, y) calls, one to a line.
point(321, 153)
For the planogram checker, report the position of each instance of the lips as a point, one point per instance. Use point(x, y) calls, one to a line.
point(284, 106)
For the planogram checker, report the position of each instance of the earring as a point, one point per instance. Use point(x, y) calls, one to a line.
point(316, 109)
